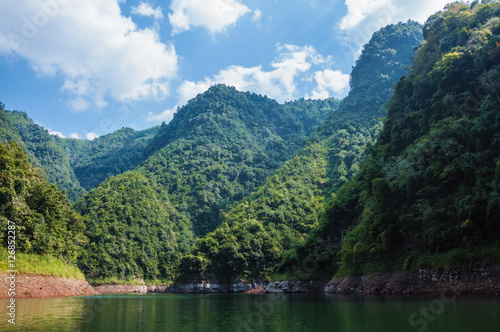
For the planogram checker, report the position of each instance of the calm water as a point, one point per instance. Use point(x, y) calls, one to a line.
point(246, 312)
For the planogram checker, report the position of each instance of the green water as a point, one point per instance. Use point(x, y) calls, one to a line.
point(246, 312)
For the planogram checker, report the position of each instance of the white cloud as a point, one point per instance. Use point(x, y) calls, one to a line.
point(330, 83)
point(214, 15)
point(164, 116)
point(75, 135)
point(186, 91)
point(364, 17)
point(57, 133)
point(292, 70)
point(257, 15)
point(279, 83)
point(146, 9)
point(100, 54)
point(91, 136)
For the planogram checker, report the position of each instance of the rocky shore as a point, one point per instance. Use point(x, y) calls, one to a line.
point(478, 280)
point(28, 286)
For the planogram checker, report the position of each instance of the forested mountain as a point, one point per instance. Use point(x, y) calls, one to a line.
point(105, 156)
point(42, 149)
point(220, 147)
point(217, 149)
point(75, 165)
point(45, 222)
point(429, 192)
point(262, 228)
point(133, 230)
point(240, 186)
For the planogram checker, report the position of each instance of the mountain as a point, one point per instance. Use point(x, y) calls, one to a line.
point(45, 223)
point(220, 147)
point(428, 195)
point(75, 165)
point(133, 230)
point(42, 150)
point(217, 149)
point(105, 156)
point(265, 227)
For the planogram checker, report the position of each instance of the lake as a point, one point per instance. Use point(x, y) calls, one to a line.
point(255, 312)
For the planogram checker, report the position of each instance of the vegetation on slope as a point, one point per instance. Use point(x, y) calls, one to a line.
point(133, 230)
point(431, 185)
point(45, 223)
point(216, 150)
point(264, 228)
point(42, 149)
point(106, 156)
point(219, 148)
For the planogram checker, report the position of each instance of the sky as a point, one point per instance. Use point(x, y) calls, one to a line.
point(83, 69)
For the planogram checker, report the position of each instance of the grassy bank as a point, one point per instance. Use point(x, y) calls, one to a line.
point(40, 265)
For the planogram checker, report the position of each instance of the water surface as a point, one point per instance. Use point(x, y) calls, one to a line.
point(254, 312)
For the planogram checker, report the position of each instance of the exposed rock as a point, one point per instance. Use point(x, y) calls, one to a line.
point(30, 285)
point(207, 288)
point(240, 288)
point(483, 280)
point(296, 287)
point(120, 289)
point(160, 289)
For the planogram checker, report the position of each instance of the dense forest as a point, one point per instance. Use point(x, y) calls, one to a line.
point(105, 156)
point(42, 149)
point(427, 195)
point(267, 226)
point(217, 149)
point(75, 165)
point(46, 223)
point(402, 173)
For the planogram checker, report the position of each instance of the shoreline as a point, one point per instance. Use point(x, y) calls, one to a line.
point(473, 281)
point(42, 286)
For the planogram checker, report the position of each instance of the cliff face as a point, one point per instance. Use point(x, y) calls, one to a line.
point(28, 286)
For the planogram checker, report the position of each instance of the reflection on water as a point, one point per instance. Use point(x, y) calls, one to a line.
point(254, 312)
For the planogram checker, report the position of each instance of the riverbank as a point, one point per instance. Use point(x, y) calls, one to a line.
point(483, 280)
point(478, 280)
point(36, 286)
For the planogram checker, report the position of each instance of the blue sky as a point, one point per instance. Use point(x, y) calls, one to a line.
point(87, 68)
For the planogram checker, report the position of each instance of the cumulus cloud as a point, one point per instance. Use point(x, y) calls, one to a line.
point(214, 15)
point(330, 82)
point(364, 17)
point(99, 53)
point(292, 70)
point(91, 136)
point(75, 135)
point(146, 9)
point(164, 116)
point(57, 133)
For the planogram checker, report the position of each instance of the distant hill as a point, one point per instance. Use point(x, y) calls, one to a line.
point(106, 156)
point(42, 149)
point(75, 165)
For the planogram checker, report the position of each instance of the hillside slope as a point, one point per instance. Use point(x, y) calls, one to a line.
point(216, 150)
point(105, 156)
point(429, 193)
point(42, 150)
point(262, 228)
